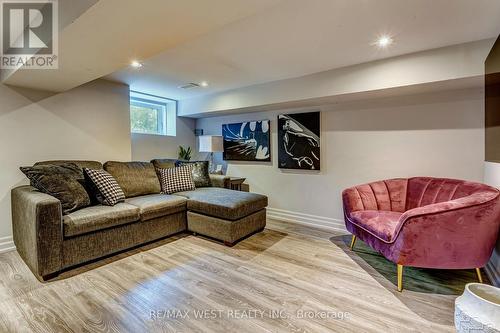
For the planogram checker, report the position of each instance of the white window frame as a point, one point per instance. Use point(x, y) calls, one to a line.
point(166, 117)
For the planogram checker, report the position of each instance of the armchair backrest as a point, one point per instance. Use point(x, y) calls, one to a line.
point(423, 191)
point(402, 194)
point(381, 195)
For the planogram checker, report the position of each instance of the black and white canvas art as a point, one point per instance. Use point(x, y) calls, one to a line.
point(248, 141)
point(299, 141)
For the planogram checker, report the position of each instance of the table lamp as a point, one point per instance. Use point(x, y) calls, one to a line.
point(210, 144)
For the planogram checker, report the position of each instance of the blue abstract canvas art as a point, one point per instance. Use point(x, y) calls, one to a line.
point(248, 141)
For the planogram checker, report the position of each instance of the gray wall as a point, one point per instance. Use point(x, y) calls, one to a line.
point(492, 139)
point(432, 135)
point(146, 147)
point(88, 122)
point(492, 177)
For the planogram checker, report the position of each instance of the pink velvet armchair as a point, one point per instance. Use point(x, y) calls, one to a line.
point(425, 222)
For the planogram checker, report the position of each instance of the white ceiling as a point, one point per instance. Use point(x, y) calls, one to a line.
point(299, 37)
point(100, 37)
point(70, 10)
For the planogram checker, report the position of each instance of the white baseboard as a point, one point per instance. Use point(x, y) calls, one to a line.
point(321, 222)
point(493, 274)
point(7, 244)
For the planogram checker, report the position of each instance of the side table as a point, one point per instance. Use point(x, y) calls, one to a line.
point(236, 183)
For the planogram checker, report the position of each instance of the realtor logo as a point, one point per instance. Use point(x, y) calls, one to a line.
point(29, 34)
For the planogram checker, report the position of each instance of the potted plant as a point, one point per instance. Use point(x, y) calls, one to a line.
point(184, 154)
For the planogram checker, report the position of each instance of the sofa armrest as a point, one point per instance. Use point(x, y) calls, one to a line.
point(37, 229)
point(458, 234)
point(219, 181)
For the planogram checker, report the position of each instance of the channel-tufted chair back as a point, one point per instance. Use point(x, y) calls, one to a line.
point(402, 194)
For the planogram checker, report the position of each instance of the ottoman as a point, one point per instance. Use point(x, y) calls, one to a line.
point(225, 214)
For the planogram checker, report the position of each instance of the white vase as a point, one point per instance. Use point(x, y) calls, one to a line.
point(478, 309)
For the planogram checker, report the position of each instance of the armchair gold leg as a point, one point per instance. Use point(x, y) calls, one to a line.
point(479, 276)
point(353, 240)
point(400, 277)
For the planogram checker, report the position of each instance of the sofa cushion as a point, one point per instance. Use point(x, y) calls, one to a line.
point(81, 163)
point(164, 163)
point(223, 203)
point(64, 182)
point(156, 205)
point(135, 178)
point(99, 217)
point(379, 223)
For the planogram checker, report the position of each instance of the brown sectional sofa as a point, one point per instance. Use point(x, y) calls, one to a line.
point(50, 242)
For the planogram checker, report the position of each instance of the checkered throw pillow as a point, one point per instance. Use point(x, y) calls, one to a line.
point(176, 179)
point(109, 193)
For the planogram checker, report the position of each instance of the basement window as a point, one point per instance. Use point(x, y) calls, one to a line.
point(151, 114)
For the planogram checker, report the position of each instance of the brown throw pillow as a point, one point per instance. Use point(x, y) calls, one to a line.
point(62, 182)
point(201, 176)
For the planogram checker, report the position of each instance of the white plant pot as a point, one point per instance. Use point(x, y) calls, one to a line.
point(478, 309)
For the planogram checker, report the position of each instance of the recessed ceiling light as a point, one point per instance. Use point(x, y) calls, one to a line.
point(384, 41)
point(204, 83)
point(136, 64)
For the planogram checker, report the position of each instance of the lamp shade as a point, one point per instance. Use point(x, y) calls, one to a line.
point(210, 143)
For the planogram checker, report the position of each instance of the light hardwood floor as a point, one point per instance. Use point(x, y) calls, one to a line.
point(283, 272)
